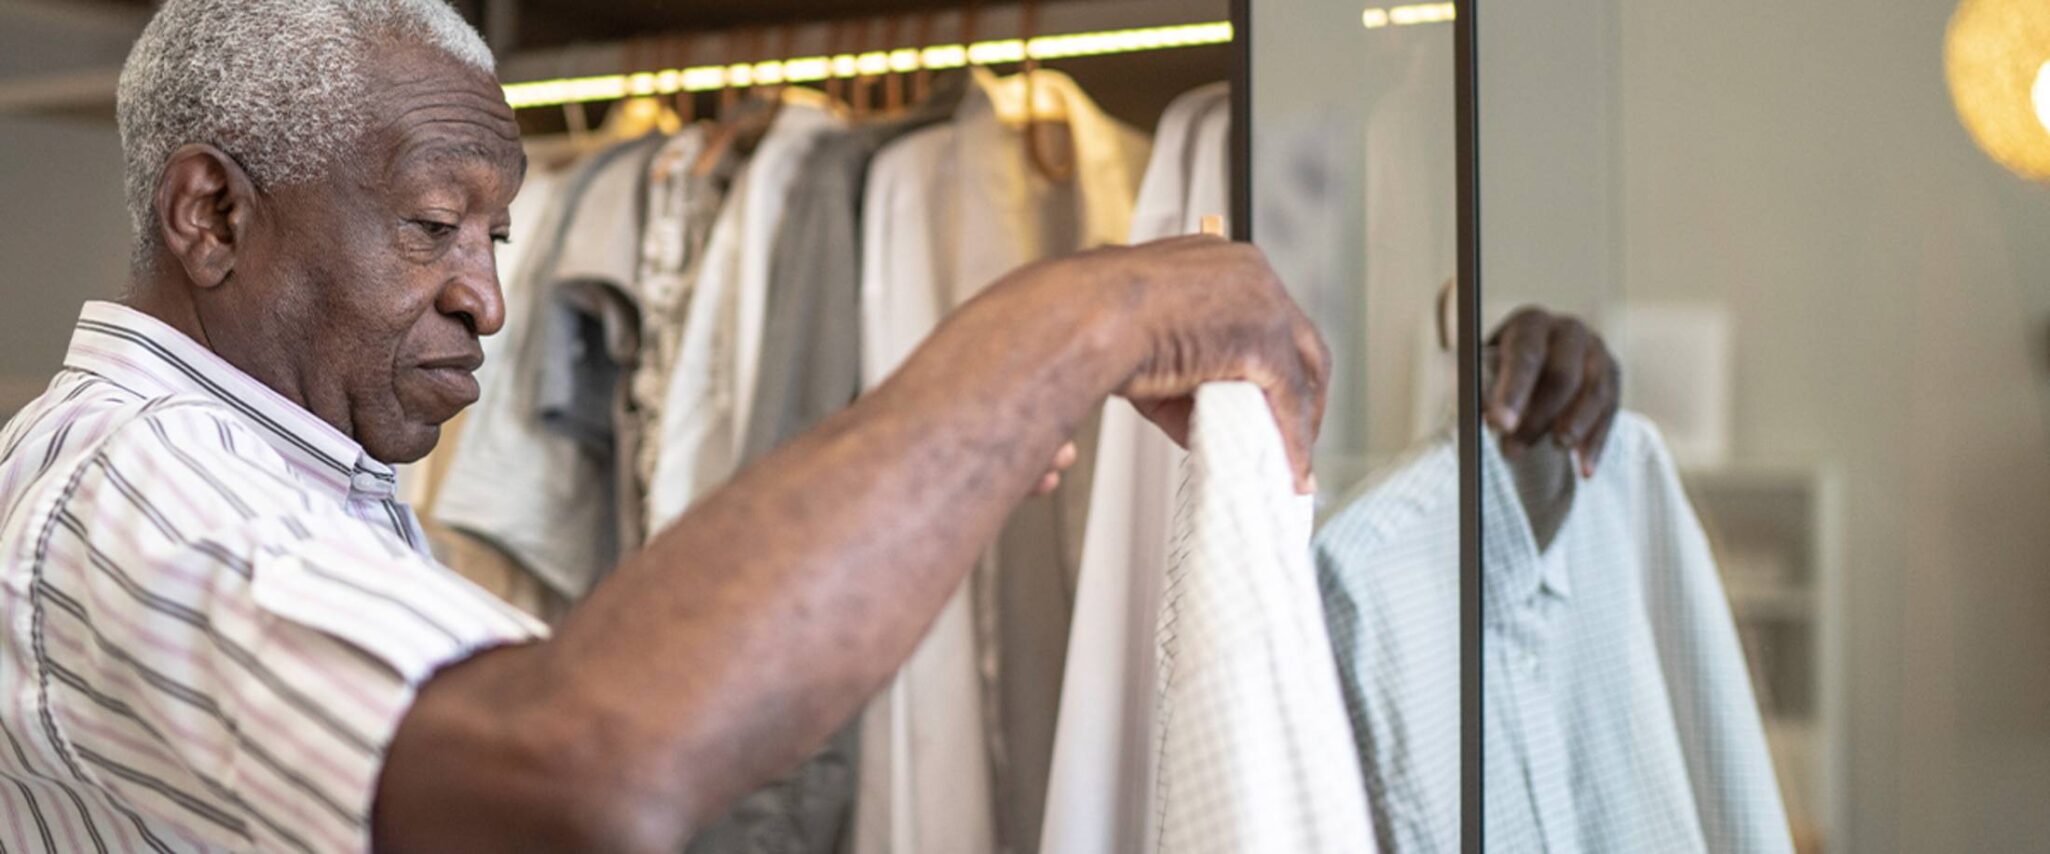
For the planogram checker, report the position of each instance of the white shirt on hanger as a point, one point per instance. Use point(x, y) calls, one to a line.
point(949, 210)
point(1101, 781)
point(706, 403)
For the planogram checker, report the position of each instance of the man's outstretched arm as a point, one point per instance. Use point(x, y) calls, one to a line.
point(761, 620)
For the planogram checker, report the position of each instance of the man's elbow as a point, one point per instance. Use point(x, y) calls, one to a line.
point(470, 772)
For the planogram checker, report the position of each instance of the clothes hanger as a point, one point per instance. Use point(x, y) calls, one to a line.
point(921, 80)
point(679, 53)
point(893, 81)
point(862, 89)
point(1035, 144)
point(632, 118)
point(836, 40)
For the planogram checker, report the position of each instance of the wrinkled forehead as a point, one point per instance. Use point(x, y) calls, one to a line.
point(431, 112)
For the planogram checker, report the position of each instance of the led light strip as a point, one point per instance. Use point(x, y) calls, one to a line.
point(807, 69)
point(1402, 16)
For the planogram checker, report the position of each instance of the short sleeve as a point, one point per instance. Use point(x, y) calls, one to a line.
point(223, 652)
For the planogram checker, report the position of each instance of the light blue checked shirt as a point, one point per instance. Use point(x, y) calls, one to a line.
point(1619, 714)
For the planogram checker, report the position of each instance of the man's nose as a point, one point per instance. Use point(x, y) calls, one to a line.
point(473, 295)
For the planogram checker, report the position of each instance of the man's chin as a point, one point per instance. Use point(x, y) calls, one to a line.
point(408, 444)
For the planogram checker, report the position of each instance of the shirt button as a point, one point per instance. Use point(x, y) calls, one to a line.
point(364, 481)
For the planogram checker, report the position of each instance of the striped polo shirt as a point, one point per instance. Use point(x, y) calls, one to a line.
point(215, 608)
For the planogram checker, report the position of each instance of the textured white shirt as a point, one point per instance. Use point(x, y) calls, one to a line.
point(1101, 779)
point(1250, 725)
point(216, 611)
point(1618, 711)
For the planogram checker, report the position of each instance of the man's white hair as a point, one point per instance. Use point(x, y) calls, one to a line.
point(279, 85)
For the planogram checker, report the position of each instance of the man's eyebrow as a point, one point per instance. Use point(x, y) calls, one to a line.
point(442, 153)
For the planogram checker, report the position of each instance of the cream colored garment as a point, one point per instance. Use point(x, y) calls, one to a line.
point(949, 210)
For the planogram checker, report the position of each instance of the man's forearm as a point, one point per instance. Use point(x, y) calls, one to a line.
point(747, 631)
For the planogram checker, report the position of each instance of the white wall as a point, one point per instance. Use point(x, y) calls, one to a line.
point(1800, 164)
point(63, 236)
point(63, 240)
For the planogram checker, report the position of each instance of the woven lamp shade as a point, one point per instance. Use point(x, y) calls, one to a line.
point(1996, 56)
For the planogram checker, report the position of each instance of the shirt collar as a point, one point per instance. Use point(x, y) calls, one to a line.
point(1516, 571)
point(143, 354)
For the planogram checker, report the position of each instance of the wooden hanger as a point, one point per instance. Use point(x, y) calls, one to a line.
point(921, 80)
point(1035, 145)
point(893, 80)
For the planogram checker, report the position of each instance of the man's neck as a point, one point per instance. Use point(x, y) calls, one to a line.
point(170, 302)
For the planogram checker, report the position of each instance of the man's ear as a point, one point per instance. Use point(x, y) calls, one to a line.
point(204, 203)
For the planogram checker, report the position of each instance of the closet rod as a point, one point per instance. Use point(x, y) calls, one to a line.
point(807, 69)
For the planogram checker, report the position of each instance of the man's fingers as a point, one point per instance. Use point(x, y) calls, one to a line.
point(1520, 349)
point(1559, 382)
point(1296, 411)
point(1064, 458)
point(1597, 442)
point(1047, 483)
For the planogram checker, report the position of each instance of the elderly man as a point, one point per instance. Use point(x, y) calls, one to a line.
point(222, 631)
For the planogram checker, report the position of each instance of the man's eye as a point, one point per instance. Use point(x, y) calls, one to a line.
point(502, 239)
point(434, 228)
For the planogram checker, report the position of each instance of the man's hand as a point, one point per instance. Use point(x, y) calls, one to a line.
point(1063, 460)
point(1553, 376)
point(1208, 310)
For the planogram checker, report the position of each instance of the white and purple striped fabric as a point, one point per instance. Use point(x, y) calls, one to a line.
point(215, 609)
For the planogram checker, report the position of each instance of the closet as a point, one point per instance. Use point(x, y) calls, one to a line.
point(728, 235)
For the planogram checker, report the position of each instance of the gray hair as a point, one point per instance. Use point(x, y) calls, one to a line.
point(279, 85)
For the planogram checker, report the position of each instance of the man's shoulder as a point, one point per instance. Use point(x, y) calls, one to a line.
point(85, 428)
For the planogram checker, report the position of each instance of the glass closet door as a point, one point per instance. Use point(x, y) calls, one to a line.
point(1803, 603)
point(1352, 180)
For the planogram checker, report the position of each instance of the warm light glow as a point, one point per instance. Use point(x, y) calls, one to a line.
point(992, 53)
point(1996, 57)
point(704, 78)
point(1376, 17)
point(807, 69)
point(1422, 13)
point(944, 56)
point(549, 93)
point(2042, 96)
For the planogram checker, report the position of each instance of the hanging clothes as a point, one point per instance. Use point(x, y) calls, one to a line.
point(1620, 627)
point(470, 556)
point(969, 720)
point(1101, 778)
point(1249, 708)
point(687, 185)
point(704, 409)
point(539, 496)
point(811, 338)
